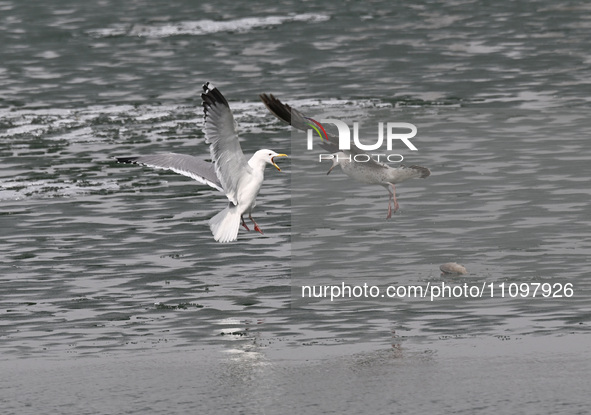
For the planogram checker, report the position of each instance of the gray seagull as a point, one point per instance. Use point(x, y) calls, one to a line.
point(370, 172)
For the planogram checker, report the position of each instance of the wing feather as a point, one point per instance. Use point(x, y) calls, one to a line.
point(298, 120)
point(193, 167)
point(220, 133)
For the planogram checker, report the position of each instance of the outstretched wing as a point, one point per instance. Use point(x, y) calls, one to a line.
point(298, 120)
point(200, 170)
point(220, 133)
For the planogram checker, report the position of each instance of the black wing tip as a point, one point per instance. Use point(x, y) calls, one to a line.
point(270, 100)
point(127, 160)
point(278, 108)
point(212, 96)
point(267, 98)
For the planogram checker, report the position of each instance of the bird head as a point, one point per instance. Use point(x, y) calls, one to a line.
point(268, 156)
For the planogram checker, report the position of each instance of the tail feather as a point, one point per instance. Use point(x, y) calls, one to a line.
point(225, 225)
point(422, 172)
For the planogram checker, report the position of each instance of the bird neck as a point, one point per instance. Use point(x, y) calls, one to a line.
point(257, 164)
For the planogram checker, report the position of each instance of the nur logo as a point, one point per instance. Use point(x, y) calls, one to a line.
point(316, 126)
point(345, 134)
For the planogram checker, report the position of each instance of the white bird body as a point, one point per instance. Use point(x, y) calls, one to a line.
point(240, 180)
point(225, 225)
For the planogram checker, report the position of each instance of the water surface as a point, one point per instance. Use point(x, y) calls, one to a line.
point(109, 274)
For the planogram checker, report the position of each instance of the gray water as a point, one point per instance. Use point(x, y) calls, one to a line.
point(114, 298)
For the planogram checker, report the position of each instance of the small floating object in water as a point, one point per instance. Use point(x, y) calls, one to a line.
point(452, 268)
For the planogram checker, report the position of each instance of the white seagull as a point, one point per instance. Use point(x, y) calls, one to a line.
point(370, 172)
point(230, 173)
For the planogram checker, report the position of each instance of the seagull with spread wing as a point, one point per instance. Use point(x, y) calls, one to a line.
point(370, 172)
point(230, 173)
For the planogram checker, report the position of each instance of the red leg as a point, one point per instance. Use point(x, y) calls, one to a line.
point(244, 224)
point(389, 202)
point(392, 191)
point(394, 199)
point(256, 227)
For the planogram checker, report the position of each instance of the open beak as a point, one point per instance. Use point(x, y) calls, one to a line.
point(273, 160)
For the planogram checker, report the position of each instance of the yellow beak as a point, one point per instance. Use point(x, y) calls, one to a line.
point(273, 160)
